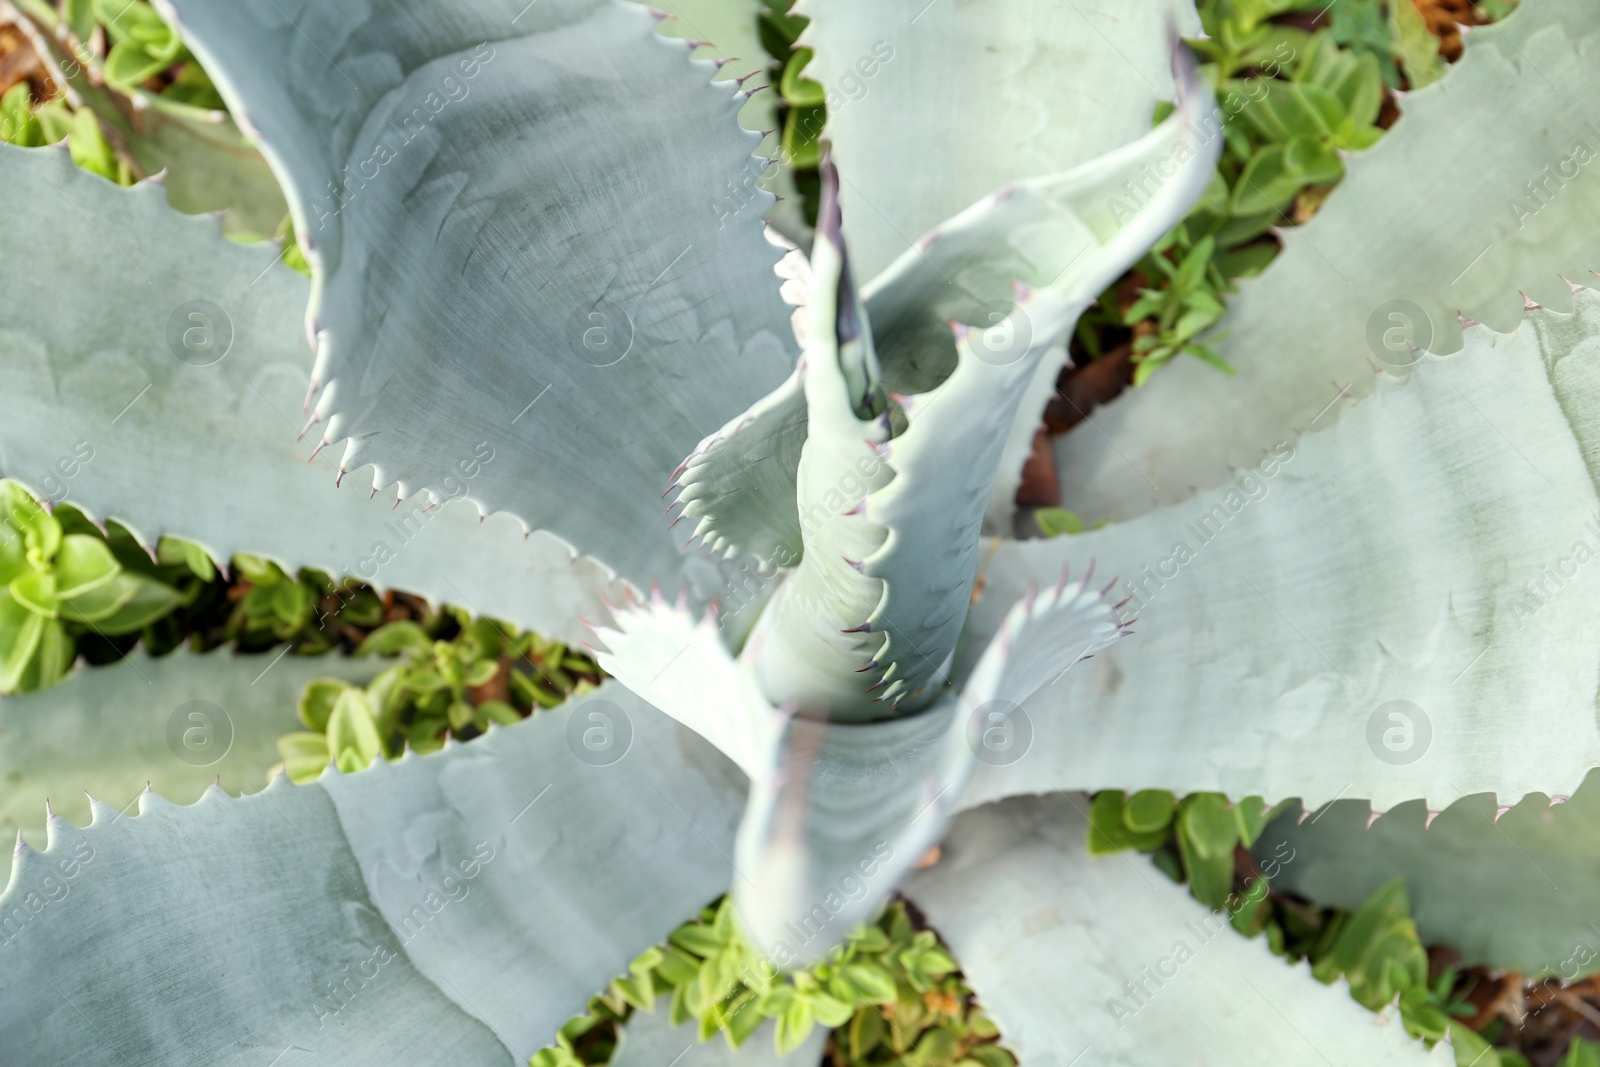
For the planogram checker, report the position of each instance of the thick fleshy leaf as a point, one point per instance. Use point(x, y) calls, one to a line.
point(1104, 961)
point(740, 485)
point(443, 909)
point(489, 268)
point(1388, 609)
point(1477, 193)
point(649, 1040)
point(168, 408)
point(1468, 869)
point(684, 668)
point(176, 724)
point(839, 811)
point(205, 163)
point(1011, 90)
point(893, 488)
point(888, 560)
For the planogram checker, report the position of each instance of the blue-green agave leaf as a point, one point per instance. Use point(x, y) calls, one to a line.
point(1479, 194)
point(838, 811)
point(1105, 961)
point(648, 1039)
point(1467, 870)
point(509, 213)
point(169, 409)
point(1391, 608)
point(932, 107)
point(175, 724)
point(454, 908)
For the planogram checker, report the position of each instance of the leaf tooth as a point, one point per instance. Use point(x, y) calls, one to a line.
point(1427, 823)
point(1372, 817)
point(1501, 810)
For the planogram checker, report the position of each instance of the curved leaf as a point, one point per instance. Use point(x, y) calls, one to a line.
point(116, 401)
point(1390, 260)
point(648, 1039)
point(838, 811)
point(1010, 90)
point(441, 909)
point(1073, 955)
point(1391, 608)
point(489, 269)
point(176, 724)
point(1468, 869)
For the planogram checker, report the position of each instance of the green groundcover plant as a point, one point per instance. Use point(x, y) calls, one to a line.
point(752, 728)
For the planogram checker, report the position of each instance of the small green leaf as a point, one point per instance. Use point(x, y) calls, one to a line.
point(352, 734)
point(317, 700)
point(742, 1018)
point(1053, 522)
point(499, 711)
point(1109, 833)
point(1148, 810)
point(21, 631)
point(800, 130)
point(830, 1012)
point(256, 570)
point(1251, 816)
point(18, 125)
point(794, 1026)
point(871, 983)
point(866, 1033)
point(482, 672)
point(1210, 879)
point(36, 591)
point(304, 755)
point(1416, 46)
point(290, 603)
point(149, 601)
point(90, 149)
point(175, 550)
point(1209, 825)
point(936, 1046)
point(83, 563)
point(796, 90)
point(128, 65)
point(51, 659)
point(703, 941)
point(395, 637)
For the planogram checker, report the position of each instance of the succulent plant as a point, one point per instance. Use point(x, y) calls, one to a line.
point(541, 283)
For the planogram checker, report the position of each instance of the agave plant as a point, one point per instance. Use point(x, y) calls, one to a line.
point(542, 284)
